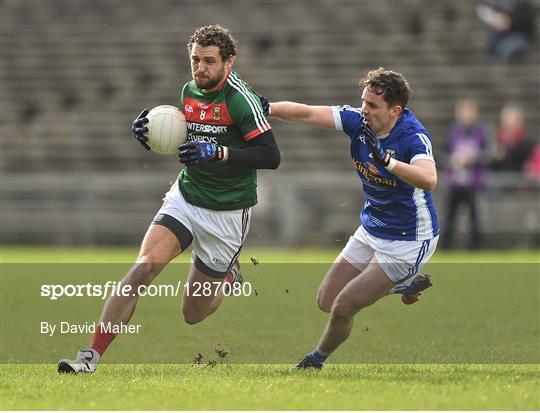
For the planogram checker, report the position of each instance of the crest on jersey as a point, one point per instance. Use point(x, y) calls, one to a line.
point(391, 152)
point(217, 113)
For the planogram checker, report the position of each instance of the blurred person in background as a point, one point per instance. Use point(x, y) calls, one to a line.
point(512, 147)
point(511, 26)
point(532, 165)
point(209, 206)
point(466, 169)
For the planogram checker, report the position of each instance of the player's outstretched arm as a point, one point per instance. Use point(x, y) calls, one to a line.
point(301, 113)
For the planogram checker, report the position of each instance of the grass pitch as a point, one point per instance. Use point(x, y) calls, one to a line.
point(274, 387)
point(471, 343)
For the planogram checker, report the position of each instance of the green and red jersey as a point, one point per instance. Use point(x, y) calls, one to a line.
point(230, 116)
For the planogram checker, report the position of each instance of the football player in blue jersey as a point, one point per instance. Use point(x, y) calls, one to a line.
point(392, 154)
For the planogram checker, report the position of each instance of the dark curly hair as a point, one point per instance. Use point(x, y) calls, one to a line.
point(391, 85)
point(214, 35)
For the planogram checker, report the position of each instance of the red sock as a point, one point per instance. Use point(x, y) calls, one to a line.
point(101, 340)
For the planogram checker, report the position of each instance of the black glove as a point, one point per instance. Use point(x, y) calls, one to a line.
point(194, 153)
point(138, 128)
point(265, 105)
point(379, 154)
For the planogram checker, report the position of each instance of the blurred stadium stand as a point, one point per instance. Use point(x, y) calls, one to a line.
point(74, 74)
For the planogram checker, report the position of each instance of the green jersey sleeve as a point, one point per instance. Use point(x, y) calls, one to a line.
point(246, 110)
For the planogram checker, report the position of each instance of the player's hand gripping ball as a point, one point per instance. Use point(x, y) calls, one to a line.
point(138, 129)
point(161, 130)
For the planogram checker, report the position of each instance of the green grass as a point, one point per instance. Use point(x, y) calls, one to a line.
point(274, 387)
point(33, 254)
point(471, 342)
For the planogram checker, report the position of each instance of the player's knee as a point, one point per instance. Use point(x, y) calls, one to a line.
point(343, 308)
point(192, 319)
point(325, 300)
point(142, 273)
point(324, 304)
point(192, 316)
point(148, 260)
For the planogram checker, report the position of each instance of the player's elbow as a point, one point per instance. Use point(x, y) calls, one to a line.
point(427, 182)
point(271, 160)
point(275, 160)
point(430, 183)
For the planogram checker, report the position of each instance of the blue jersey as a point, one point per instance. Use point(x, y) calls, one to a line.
point(394, 209)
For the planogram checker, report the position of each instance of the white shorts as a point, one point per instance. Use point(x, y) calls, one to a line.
point(400, 260)
point(216, 236)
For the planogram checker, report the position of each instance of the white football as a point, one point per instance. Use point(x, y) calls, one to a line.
point(166, 129)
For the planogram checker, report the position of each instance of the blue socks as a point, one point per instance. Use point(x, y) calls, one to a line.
point(319, 355)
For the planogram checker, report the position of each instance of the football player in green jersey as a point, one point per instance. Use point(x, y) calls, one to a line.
point(209, 206)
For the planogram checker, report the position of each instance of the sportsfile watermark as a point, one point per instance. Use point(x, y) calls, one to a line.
point(473, 313)
point(118, 289)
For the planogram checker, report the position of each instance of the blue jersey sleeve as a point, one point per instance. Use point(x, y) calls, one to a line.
point(419, 147)
point(348, 119)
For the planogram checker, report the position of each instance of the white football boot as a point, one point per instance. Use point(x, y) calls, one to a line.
point(85, 362)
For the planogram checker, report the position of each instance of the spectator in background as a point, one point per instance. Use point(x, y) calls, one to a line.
point(466, 174)
point(532, 165)
point(511, 147)
point(511, 24)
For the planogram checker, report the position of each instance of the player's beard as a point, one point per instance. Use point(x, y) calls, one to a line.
point(208, 82)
